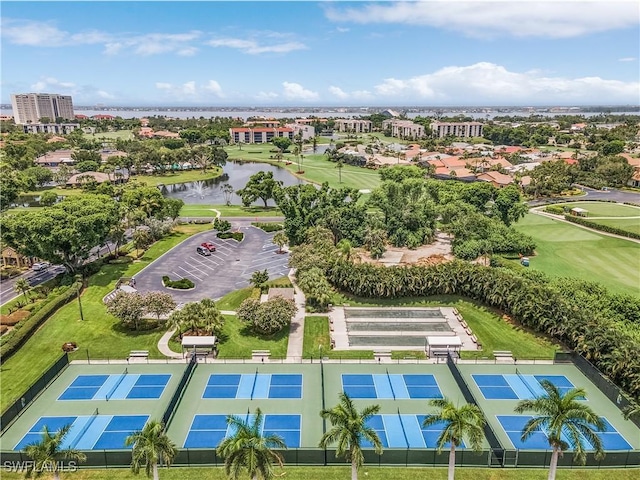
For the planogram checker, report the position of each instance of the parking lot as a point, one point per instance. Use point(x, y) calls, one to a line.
point(227, 269)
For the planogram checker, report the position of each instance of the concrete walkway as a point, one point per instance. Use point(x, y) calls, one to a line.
point(296, 330)
point(163, 345)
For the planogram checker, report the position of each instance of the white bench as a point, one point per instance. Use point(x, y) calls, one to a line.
point(260, 354)
point(139, 354)
point(382, 355)
point(502, 354)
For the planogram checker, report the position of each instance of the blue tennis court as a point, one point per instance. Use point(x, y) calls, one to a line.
point(513, 425)
point(253, 385)
point(95, 432)
point(393, 386)
point(518, 386)
point(124, 386)
point(207, 431)
point(404, 431)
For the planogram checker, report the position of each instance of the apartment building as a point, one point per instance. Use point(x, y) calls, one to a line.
point(403, 129)
point(31, 107)
point(457, 129)
point(259, 135)
point(56, 128)
point(349, 125)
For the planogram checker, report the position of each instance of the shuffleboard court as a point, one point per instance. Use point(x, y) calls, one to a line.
point(393, 386)
point(124, 386)
point(253, 386)
point(207, 431)
point(514, 424)
point(87, 432)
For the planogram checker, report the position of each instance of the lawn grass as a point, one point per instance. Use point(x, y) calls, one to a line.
point(317, 169)
point(195, 210)
point(366, 472)
point(236, 341)
point(494, 331)
point(100, 333)
point(627, 224)
point(604, 209)
point(170, 178)
point(121, 134)
point(566, 250)
point(231, 301)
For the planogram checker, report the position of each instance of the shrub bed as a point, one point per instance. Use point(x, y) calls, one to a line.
point(555, 209)
point(14, 318)
point(182, 284)
point(268, 226)
point(237, 236)
point(13, 340)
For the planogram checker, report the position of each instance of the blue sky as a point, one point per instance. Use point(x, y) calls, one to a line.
point(303, 53)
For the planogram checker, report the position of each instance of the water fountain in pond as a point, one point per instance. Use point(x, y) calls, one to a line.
point(199, 189)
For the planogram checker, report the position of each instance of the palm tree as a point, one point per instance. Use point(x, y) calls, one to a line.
point(348, 430)
point(281, 240)
point(151, 446)
point(47, 454)
point(248, 449)
point(22, 286)
point(466, 422)
point(632, 411)
point(340, 166)
point(562, 414)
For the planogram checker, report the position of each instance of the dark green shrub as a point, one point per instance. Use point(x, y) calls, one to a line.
point(268, 226)
point(182, 284)
point(237, 236)
point(602, 228)
point(555, 209)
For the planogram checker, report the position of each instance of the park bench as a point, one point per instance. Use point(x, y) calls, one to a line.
point(382, 355)
point(469, 332)
point(260, 354)
point(502, 354)
point(139, 354)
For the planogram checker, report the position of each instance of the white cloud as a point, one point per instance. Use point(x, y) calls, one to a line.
point(295, 91)
point(36, 34)
point(338, 92)
point(106, 95)
point(215, 88)
point(50, 83)
point(627, 59)
point(266, 96)
point(488, 83)
point(252, 47)
point(558, 19)
point(191, 91)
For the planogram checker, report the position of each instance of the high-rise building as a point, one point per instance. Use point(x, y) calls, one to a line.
point(31, 107)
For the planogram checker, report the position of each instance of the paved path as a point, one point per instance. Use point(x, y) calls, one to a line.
point(163, 345)
point(296, 330)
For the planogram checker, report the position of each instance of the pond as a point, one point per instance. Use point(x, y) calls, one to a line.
point(235, 174)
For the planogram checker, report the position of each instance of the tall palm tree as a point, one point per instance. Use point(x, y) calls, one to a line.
point(151, 446)
point(460, 423)
point(22, 286)
point(348, 430)
point(47, 453)
point(561, 414)
point(249, 449)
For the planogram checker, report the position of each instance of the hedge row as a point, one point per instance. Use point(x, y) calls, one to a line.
point(602, 228)
point(22, 332)
point(237, 236)
point(268, 226)
point(182, 284)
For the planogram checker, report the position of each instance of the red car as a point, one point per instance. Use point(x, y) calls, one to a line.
point(209, 246)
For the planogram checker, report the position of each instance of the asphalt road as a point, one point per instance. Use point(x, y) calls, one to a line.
point(226, 270)
point(613, 195)
point(7, 291)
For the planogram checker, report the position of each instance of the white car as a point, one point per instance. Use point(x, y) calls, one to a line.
point(38, 267)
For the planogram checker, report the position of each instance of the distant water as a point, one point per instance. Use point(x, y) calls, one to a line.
point(244, 114)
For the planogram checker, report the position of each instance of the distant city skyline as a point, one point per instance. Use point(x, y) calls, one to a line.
point(324, 54)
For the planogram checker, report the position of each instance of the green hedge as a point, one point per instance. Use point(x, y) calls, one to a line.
point(23, 331)
point(602, 228)
point(555, 209)
point(268, 226)
point(182, 284)
point(237, 236)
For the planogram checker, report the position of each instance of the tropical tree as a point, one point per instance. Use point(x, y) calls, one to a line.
point(248, 449)
point(47, 454)
point(259, 278)
point(348, 430)
point(261, 186)
point(281, 240)
point(158, 303)
point(22, 286)
point(460, 423)
point(562, 414)
point(151, 446)
point(198, 318)
point(227, 191)
point(127, 307)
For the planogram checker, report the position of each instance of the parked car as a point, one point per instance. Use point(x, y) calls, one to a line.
point(38, 267)
point(203, 251)
point(209, 246)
